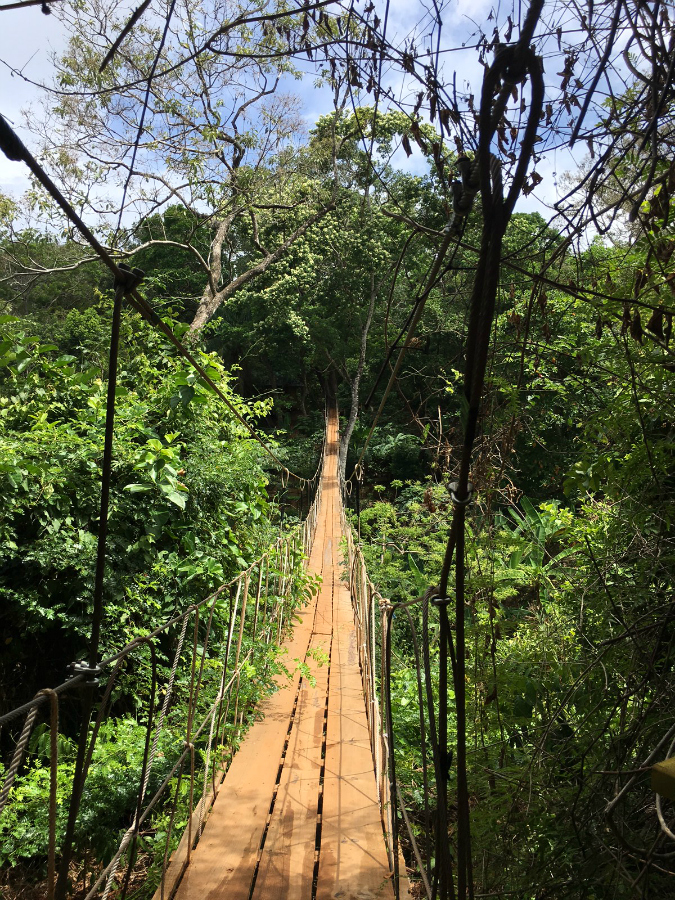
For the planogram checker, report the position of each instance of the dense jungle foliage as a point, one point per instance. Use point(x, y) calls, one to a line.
point(190, 509)
point(291, 265)
point(570, 551)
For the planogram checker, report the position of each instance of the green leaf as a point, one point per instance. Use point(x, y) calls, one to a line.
point(177, 498)
point(522, 709)
point(530, 692)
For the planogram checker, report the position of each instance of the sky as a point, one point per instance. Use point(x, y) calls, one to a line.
point(29, 40)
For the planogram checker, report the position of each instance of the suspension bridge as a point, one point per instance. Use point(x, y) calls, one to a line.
point(309, 806)
point(302, 809)
point(306, 805)
point(298, 814)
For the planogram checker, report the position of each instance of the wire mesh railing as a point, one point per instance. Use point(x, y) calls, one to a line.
point(192, 684)
point(425, 839)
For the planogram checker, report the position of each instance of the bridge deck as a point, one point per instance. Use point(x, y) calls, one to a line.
point(297, 816)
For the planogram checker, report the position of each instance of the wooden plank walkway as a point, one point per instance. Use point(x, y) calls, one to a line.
point(297, 816)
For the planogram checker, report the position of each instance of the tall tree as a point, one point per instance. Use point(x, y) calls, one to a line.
point(336, 300)
point(188, 111)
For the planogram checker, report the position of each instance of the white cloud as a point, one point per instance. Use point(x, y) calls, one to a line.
point(28, 40)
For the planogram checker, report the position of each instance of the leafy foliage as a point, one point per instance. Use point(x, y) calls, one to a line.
point(203, 512)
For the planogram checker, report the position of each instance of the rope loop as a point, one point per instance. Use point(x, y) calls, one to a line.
point(128, 278)
point(21, 745)
point(510, 67)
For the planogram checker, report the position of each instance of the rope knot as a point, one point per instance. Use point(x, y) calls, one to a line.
point(128, 278)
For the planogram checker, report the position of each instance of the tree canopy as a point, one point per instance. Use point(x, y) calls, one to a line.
point(523, 161)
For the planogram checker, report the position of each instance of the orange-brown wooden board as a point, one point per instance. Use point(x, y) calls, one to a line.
point(223, 862)
point(321, 563)
point(353, 864)
point(287, 864)
point(323, 619)
point(353, 860)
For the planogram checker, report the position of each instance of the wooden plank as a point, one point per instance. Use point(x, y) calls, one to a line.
point(320, 563)
point(324, 622)
point(323, 618)
point(223, 862)
point(286, 867)
point(353, 862)
point(178, 860)
point(225, 858)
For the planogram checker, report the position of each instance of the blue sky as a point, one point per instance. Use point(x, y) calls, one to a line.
point(29, 39)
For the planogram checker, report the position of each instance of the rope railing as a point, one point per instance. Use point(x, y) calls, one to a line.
point(448, 872)
point(373, 619)
point(194, 712)
point(86, 673)
point(370, 618)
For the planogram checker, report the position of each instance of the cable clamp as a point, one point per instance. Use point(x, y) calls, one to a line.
point(442, 601)
point(130, 278)
point(454, 487)
point(82, 667)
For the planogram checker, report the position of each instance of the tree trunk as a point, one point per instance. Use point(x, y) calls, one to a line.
point(208, 303)
point(356, 383)
point(213, 298)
